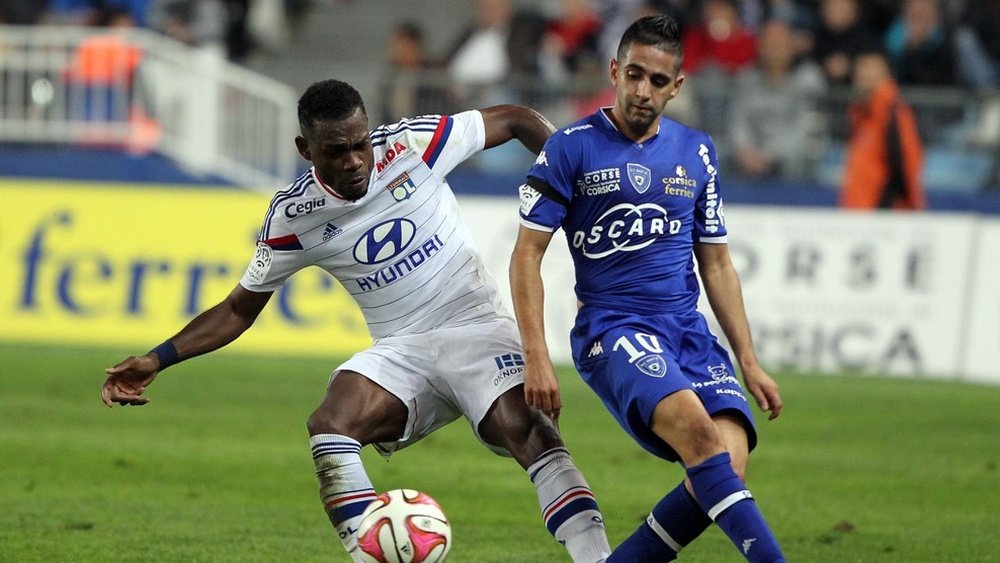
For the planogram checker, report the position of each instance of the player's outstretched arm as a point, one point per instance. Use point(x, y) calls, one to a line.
point(722, 287)
point(211, 330)
point(506, 122)
point(541, 386)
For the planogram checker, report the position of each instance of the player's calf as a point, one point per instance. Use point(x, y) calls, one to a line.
point(569, 509)
point(726, 500)
point(344, 486)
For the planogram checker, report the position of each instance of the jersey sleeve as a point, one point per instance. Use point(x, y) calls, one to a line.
point(548, 191)
point(275, 260)
point(454, 139)
point(709, 217)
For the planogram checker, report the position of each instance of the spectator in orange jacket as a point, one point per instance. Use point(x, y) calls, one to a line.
point(884, 153)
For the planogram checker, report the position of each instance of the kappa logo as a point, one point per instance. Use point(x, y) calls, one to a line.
point(572, 130)
point(639, 176)
point(384, 241)
point(541, 160)
point(390, 155)
point(746, 544)
point(596, 350)
point(331, 231)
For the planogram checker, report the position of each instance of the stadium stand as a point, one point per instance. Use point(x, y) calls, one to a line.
point(188, 115)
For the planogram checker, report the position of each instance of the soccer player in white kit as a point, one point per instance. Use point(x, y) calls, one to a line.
point(376, 212)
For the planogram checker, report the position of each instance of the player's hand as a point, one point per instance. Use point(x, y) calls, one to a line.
point(128, 380)
point(541, 388)
point(764, 391)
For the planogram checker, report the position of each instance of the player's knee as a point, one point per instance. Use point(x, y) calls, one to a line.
point(527, 436)
point(701, 440)
point(739, 463)
point(325, 421)
point(321, 422)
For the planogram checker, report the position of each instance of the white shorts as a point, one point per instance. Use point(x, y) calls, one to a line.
point(443, 374)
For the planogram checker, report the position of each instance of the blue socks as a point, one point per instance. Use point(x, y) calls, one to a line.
point(724, 497)
point(678, 518)
point(675, 522)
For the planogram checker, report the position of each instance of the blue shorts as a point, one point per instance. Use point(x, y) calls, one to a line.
point(633, 361)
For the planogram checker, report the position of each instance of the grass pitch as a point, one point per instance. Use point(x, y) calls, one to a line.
point(217, 468)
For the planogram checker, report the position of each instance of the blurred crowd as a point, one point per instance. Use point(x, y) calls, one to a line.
point(772, 80)
point(233, 27)
point(777, 83)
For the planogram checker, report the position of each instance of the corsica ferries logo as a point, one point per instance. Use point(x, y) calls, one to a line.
point(679, 184)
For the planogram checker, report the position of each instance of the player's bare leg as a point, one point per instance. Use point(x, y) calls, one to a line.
point(568, 506)
point(355, 412)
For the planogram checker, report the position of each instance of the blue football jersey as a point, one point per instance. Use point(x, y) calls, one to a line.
point(631, 211)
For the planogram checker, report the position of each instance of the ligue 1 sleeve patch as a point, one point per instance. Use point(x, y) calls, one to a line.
point(529, 197)
point(261, 263)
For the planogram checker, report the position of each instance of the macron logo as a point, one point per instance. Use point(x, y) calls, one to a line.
point(746, 544)
point(596, 349)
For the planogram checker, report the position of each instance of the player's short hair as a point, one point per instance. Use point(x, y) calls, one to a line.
point(660, 31)
point(328, 100)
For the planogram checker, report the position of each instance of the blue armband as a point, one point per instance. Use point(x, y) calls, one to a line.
point(166, 353)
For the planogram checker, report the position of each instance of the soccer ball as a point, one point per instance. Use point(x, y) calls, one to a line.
point(404, 526)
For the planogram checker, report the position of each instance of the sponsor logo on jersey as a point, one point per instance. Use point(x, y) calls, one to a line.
point(391, 154)
point(384, 241)
point(529, 197)
point(639, 176)
point(508, 365)
point(625, 228)
point(297, 208)
point(714, 216)
point(572, 130)
point(652, 365)
point(403, 266)
point(402, 187)
point(679, 183)
point(600, 182)
point(261, 263)
point(718, 372)
point(541, 160)
point(331, 231)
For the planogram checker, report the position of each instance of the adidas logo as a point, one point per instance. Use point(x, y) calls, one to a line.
point(746, 544)
point(596, 349)
point(331, 231)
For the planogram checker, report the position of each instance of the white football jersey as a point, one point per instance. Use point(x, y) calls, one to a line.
point(402, 250)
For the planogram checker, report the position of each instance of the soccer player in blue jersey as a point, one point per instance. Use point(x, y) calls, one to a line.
point(638, 197)
point(376, 212)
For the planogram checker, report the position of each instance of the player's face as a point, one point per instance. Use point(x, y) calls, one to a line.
point(341, 152)
point(645, 79)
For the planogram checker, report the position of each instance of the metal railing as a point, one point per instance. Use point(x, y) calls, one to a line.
point(140, 91)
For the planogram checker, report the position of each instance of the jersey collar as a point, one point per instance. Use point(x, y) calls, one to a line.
point(325, 187)
point(605, 113)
